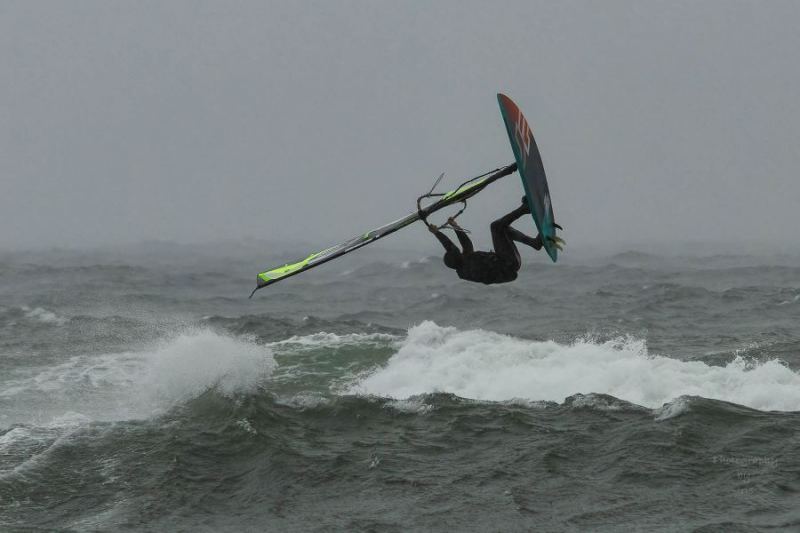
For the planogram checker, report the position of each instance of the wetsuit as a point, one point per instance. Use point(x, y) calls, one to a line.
point(499, 266)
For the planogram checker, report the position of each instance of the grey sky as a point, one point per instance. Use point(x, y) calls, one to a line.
point(195, 121)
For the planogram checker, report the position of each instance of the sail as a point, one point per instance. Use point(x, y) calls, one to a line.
point(469, 189)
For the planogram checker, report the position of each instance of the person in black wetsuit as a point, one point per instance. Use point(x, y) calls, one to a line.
point(499, 266)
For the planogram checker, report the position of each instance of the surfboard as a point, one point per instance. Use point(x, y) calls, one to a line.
point(531, 170)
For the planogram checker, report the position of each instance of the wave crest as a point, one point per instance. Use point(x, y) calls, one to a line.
point(483, 365)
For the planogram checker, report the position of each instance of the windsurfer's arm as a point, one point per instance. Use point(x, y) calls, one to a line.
point(463, 238)
point(446, 242)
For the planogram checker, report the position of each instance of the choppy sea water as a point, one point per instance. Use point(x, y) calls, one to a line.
point(140, 389)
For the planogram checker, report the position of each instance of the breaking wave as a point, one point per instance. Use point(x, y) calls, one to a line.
point(482, 365)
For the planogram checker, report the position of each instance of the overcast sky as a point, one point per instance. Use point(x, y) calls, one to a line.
point(197, 121)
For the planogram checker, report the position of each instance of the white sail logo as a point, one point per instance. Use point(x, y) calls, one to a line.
point(523, 133)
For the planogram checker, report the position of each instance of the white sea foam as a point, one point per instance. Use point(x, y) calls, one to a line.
point(43, 315)
point(414, 405)
point(25, 436)
point(332, 340)
point(247, 426)
point(187, 365)
point(304, 400)
point(421, 261)
point(141, 383)
point(23, 447)
point(672, 409)
point(599, 401)
point(483, 365)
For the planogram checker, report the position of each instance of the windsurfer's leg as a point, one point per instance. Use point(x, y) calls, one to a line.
point(504, 245)
point(518, 236)
point(508, 219)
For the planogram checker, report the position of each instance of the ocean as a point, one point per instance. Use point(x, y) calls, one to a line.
point(141, 390)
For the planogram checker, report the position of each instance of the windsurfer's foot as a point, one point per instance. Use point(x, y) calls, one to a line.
point(525, 207)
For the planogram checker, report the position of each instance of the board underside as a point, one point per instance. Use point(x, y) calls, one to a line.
point(531, 170)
